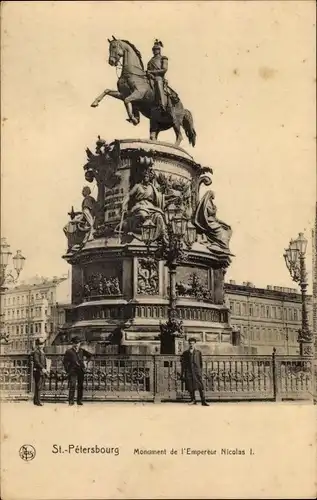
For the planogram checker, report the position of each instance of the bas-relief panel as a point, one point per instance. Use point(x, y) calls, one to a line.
point(102, 279)
point(194, 282)
point(147, 276)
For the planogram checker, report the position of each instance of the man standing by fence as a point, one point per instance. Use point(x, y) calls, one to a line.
point(75, 368)
point(39, 370)
point(192, 364)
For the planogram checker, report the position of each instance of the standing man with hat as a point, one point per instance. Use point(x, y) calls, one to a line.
point(39, 370)
point(75, 368)
point(192, 365)
point(156, 69)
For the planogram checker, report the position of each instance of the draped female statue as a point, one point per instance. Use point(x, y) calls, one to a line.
point(216, 231)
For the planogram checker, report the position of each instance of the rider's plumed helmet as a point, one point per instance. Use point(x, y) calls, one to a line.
point(157, 44)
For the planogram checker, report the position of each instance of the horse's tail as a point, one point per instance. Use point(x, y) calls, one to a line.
point(188, 124)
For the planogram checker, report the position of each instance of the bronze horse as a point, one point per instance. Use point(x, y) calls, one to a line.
point(138, 95)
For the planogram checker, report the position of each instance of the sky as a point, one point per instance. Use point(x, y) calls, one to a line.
point(246, 70)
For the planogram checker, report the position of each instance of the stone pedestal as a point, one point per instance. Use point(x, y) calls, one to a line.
point(119, 290)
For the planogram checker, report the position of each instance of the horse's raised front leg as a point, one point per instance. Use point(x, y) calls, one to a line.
point(134, 117)
point(111, 93)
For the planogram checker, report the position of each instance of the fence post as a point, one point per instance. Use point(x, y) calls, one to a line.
point(156, 379)
point(276, 377)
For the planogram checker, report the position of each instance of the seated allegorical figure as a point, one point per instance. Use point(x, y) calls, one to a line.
point(216, 231)
point(146, 202)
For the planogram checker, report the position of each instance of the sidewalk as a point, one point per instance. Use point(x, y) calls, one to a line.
point(50, 404)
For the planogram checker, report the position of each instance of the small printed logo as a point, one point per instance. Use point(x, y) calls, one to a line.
point(27, 452)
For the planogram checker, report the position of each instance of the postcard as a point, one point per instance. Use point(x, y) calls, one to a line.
point(158, 250)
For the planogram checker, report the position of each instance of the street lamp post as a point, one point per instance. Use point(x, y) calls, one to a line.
point(179, 233)
point(295, 261)
point(8, 276)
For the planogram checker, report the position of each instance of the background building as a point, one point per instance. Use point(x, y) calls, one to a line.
point(34, 309)
point(266, 317)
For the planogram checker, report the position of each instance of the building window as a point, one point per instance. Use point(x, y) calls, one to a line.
point(244, 309)
point(267, 311)
point(26, 328)
point(52, 327)
point(18, 313)
point(251, 309)
point(12, 313)
point(238, 308)
point(18, 330)
point(295, 315)
point(45, 327)
point(31, 329)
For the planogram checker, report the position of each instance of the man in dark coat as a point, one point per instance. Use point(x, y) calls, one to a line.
point(75, 368)
point(192, 364)
point(39, 370)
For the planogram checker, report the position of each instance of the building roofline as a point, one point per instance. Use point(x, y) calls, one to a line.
point(34, 286)
point(253, 291)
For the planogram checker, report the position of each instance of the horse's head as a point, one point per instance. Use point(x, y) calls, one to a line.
point(120, 48)
point(115, 51)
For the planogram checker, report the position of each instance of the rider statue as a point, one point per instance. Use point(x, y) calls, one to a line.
point(156, 69)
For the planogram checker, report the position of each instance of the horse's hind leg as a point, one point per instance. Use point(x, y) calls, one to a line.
point(178, 133)
point(154, 135)
point(154, 130)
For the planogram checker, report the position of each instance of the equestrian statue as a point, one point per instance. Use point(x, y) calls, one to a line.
point(147, 92)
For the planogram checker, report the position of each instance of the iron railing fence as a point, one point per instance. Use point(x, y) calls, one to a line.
point(158, 377)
